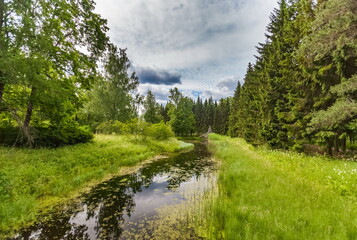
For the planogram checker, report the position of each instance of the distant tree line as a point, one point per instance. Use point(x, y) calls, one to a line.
point(187, 116)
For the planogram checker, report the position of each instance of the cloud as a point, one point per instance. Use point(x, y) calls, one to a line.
point(223, 88)
point(228, 84)
point(188, 43)
point(161, 92)
point(186, 34)
point(158, 77)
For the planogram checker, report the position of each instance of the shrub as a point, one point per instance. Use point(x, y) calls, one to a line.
point(46, 137)
point(55, 137)
point(160, 131)
point(137, 128)
point(111, 127)
point(134, 127)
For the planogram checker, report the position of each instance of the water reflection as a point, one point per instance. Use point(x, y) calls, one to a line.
point(126, 202)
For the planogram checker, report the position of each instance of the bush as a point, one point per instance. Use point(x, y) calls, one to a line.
point(111, 127)
point(137, 127)
point(160, 131)
point(46, 137)
point(55, 137)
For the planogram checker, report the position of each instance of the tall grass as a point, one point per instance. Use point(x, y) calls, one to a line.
point(31, 179)
point(280, 195)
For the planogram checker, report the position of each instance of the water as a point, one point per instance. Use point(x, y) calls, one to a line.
point(132, 206)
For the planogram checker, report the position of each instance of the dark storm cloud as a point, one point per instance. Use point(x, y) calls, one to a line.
point(158, 77)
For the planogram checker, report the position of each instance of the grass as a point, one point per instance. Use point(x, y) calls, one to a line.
point(266, 194)
point(33, 179)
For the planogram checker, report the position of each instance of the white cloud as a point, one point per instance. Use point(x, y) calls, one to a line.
point(196, 33)
point(161, 91)
point(222, 89)
point(203, 40)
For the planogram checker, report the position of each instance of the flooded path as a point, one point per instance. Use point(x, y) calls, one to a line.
point(131, 206)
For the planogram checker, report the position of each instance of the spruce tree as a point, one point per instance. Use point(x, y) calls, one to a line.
point(152, 109)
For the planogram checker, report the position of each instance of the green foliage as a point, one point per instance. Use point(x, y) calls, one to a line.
point(152, 109)
point(182, 119)
point(268, 194)
point(221, 116)
point(43, 71)
point(233, 114)
point(46, 137)
point(111, 98)
point(112, 126)
point(31, 179)
point(332, 51)
point(302, 84)
point(55, 137)
point(160, 131)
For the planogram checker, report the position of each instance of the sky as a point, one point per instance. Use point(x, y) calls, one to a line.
point(202, 47)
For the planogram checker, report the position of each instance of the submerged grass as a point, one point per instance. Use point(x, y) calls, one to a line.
point(33, 179)
point(266, 194)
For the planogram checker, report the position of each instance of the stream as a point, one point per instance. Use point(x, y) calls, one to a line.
point(135, 206)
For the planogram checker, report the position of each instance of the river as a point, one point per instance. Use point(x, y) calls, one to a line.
point(150, 203)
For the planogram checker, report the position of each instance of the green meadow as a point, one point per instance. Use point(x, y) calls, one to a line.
point(31, 180)
point(266, 194)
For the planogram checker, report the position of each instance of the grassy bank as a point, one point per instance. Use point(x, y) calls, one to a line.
point(31, 179)
point(279, 195)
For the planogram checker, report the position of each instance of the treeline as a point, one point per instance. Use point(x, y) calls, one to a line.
point(303, 86)
point(187, 116)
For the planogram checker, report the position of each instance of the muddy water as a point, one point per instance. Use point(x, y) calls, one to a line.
point(130, 206)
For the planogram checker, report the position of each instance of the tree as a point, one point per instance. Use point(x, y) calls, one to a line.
point(233, 115)
point(199, 116)
point(175, 96)
point(152, 109)
point(329, 53)
point(221, 116)
point(43, 69)
point(164, 112)
point(182, 119)
point(112, 97)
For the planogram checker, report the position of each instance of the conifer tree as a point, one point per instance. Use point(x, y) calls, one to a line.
point(233, 115)
point(152, 109)
point(329, 54)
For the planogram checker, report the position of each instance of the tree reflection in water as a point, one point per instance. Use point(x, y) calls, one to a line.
point(103, 211)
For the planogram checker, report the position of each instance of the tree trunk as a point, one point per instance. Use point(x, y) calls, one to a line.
point(2, 87)
point(29, 138)
point(29, 108)
point(337, 145)
point(329, 146)
point(2, 35)
point(344, 140)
